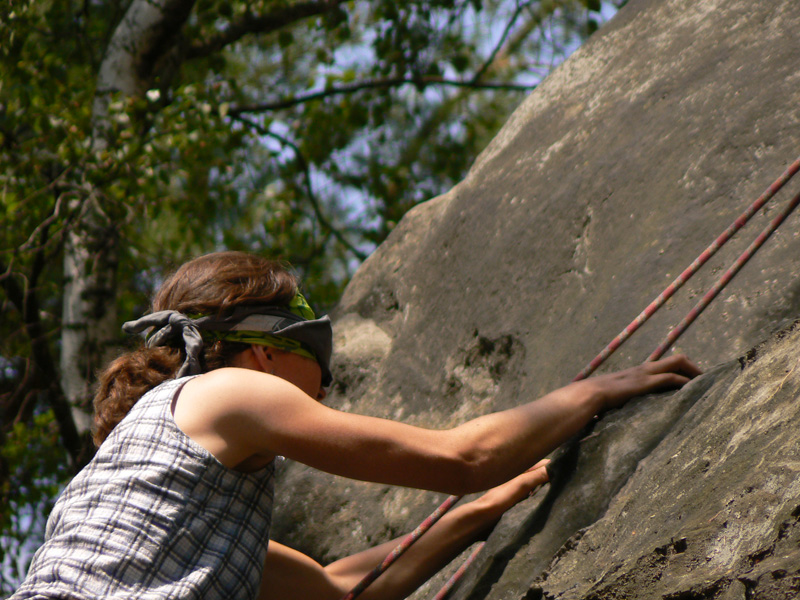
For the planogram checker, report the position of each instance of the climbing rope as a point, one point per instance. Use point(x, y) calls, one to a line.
point(456, 577)
point(673, 335)
point(690, 270)
point(725, 279)
point(407, 542)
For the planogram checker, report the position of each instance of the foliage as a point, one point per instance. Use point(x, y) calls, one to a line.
point(301, 130)
point(36, 474)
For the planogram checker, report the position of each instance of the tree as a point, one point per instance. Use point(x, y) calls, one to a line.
point(136, 133)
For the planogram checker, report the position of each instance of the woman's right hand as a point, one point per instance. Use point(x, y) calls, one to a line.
point(614, 389)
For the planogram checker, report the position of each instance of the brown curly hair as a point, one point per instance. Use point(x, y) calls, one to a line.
point(210, 284)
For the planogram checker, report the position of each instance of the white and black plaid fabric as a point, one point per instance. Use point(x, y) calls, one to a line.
point(155, 516)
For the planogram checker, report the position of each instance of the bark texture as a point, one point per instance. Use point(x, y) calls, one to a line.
point(138, 57)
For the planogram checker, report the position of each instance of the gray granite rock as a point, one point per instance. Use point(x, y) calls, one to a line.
point(712, 511)
point(627, 162)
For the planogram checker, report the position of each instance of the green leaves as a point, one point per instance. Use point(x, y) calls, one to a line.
point(299, 130)
point(32, 462)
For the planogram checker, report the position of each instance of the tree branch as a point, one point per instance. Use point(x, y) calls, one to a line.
point(303, 164)
point(44, 226)
point(267, 23)
point(44, 368)
point(143, 37)
point(375, 84)
point(506, 32)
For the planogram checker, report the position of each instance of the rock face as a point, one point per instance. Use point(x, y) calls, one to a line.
point(605, 184)
point(694, 495)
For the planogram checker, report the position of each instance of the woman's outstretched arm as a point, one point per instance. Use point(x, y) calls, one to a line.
point(242, 413)
point(291, 574)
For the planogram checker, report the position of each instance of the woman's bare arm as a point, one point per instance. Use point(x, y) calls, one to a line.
point(291, 574)
point(252, 413)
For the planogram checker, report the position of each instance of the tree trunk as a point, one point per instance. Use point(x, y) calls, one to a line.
point(145, 37)
point(89, 315)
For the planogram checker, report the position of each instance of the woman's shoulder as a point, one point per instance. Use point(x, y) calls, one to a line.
point(238, 387)
point(216, 410)
point(215, 390)
point(229, 383)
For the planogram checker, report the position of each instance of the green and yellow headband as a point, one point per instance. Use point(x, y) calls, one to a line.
point(294, 328)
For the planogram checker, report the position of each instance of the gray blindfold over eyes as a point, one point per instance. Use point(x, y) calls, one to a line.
point(171, 327)
point(316, 335)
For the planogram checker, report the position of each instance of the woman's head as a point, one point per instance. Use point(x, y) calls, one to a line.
point(234, 297)
point(221, 281)
point(223, 288)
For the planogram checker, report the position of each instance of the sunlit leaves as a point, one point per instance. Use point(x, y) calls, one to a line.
point(306, 142)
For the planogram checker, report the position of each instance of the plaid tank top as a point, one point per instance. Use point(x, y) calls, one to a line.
point(155, 516)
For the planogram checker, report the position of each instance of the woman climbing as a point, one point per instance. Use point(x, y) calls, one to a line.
point(177, 501)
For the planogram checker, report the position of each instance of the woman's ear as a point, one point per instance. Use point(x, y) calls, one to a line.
point(263, 358)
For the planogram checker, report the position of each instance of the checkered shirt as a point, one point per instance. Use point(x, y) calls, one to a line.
point(155, 516)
